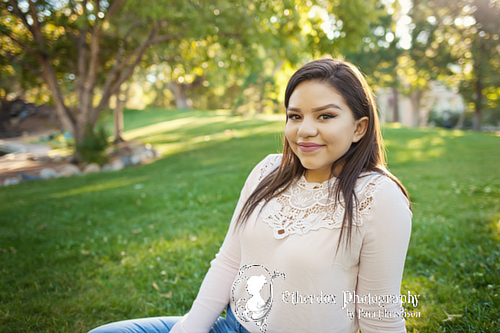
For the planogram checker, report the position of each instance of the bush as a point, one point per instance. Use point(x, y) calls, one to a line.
point(446, 119)
point(92, 149)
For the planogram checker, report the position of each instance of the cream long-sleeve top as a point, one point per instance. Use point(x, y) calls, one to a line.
point(283, 271)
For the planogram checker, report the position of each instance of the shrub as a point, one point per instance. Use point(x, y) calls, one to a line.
point(446, 119)
point(92, 149)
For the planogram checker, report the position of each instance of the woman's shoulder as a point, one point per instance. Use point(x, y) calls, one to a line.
point(382, 202)
point(378, 185)
point(268, 164)
point(376, 178)
point(264, 167)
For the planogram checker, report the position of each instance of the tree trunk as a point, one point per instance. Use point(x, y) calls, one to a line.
point(82, 118)
point(179, 91)
point(64, 115)
point(478, 119)
point(88, 47)
point(478, 113)
point(395, 106)
point(416, 98)
point(121, 99)
point(460, 122)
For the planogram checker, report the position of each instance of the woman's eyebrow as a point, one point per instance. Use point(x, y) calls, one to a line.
point(328, 106)
point(320, 108)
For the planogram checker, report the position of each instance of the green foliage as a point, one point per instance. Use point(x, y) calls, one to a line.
point(230, 41)
point(378, 55)
point(241, 45)
point(458, 44)
point(446, 119)
point(83, 251)
point(92, 148)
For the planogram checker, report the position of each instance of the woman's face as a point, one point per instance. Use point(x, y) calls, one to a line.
point(320, 128)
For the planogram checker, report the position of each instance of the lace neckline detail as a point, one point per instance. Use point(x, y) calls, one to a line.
point(306, 206)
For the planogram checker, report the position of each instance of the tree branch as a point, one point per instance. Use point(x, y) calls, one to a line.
point(32, 69)
point(25, 47)
point(17, 12)
point(91, 79)
point(164, 38)
point(81, 50)
point(111, 11)
point(124, 70)
point(119, 55)
point(37, 29)
point(82, 57)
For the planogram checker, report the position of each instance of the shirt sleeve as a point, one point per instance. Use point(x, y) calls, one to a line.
point(382, 261)
point(214, 293)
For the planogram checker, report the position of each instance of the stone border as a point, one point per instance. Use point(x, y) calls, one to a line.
point(126, 155)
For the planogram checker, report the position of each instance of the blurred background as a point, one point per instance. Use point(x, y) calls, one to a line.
point(165, 106)
point(430, 63)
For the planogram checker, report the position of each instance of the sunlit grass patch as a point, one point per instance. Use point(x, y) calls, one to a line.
point(81, 251)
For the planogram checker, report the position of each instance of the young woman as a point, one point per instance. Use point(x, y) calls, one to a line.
point(319, 236)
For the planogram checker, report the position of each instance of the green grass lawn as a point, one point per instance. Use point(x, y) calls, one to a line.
point(79, 252)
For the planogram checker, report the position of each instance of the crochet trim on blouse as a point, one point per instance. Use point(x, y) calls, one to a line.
point(306, 206)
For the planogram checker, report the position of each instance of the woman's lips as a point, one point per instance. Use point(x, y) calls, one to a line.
point(309, 146)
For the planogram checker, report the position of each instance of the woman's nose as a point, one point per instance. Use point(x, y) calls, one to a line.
point(307, 129)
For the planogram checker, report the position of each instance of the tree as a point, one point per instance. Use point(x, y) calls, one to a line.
point(378, 57)
point(251, 42)
point(479, 51)
point(460, 43)
point(84, 50)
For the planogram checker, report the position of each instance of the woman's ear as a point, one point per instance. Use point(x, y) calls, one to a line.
point(361, 126)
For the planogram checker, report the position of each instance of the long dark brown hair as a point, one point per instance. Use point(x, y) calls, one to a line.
point(368, 154)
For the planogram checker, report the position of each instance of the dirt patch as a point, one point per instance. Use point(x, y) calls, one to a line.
point(12, 168)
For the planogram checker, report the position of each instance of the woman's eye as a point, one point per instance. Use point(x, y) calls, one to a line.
point(293, 116)
point(326, 116)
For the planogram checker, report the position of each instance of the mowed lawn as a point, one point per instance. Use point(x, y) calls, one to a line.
point(83, 251)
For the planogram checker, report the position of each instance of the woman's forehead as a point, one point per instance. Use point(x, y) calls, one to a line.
point(314, 94)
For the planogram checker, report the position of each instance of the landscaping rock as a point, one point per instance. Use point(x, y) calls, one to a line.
point(28, 178)
point(57, 159)
point(129, 154)
point(142, 156)
point(117, 165)
point(11, 181)
point(106, 168)
point(48, 173)
point(68, 170)
point(127, 160)
point(136, 159)
point(91, 168)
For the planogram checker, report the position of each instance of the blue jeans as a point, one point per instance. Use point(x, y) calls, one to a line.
point(165, 324)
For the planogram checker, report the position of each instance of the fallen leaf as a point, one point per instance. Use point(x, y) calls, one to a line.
point(167, 295)
point(450, 317)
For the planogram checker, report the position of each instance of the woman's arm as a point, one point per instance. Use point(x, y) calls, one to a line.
point(215, 290)
point(382, 259)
